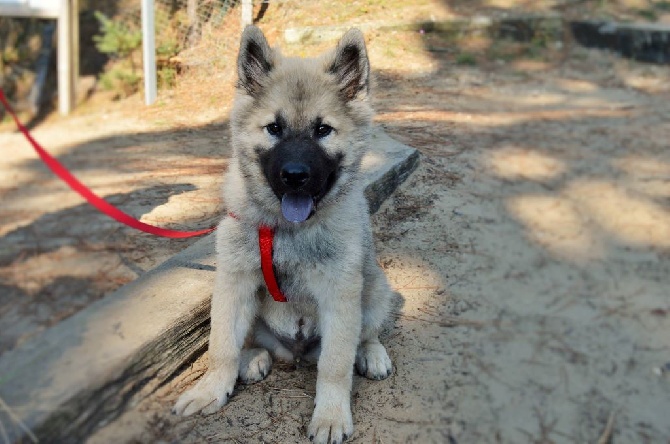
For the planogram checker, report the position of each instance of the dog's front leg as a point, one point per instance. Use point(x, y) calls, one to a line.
point(340, 328)
point(233, 309)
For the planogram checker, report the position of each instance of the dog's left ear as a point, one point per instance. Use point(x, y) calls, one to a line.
point(351, 65)
point(254, 61)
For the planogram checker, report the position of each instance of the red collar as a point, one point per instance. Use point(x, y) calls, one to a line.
point(265, 240)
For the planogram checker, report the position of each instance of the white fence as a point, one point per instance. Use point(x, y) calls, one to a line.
point(66, 13)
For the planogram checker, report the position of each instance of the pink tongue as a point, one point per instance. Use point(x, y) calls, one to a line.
point(296, 207)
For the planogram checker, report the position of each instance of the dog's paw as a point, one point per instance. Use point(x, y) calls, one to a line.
point(255, 364)
point(208, 395)
point(331, 421)
point(373, 362)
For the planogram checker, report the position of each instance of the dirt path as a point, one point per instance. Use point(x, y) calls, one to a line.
point(532, 248)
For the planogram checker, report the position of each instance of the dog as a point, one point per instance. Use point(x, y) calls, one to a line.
point(300, 129)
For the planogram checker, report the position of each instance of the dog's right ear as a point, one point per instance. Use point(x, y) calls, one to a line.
point(255, 60)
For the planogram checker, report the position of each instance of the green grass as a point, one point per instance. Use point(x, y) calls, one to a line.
point(466, 59)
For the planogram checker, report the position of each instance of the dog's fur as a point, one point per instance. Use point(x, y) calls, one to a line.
point(338, 296)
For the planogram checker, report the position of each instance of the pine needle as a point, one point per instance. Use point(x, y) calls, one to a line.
point(17, 420)
point(606, 437)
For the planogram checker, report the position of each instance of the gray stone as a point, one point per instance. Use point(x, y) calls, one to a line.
point(643, 41)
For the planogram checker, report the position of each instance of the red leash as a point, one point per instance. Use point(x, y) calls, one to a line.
point(265, 234)
point(99, 203)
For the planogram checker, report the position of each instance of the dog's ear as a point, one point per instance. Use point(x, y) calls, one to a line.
point(351, 65)
point(255, 60)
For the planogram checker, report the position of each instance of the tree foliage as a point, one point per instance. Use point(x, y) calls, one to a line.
point(115, 38)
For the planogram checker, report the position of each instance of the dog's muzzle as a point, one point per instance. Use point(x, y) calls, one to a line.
point(300, 174)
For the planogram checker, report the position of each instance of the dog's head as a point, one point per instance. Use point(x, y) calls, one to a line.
point(300, 125)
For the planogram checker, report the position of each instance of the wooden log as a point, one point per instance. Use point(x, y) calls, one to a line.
point(85, 370)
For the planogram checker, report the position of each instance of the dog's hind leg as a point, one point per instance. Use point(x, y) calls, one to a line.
point(372, 360)
point(265, 338)
point(255, 364)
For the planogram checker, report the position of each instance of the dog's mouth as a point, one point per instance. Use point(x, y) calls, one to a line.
point(297, 207)
point(301, 174)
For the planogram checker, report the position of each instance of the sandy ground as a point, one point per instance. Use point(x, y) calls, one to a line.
point(532, 248)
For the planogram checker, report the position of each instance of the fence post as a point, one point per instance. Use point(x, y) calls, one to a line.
point(74, 41)
point(247, 12)
point(149, 51)
point(68, 54)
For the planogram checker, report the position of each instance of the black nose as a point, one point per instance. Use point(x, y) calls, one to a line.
point(294, 175)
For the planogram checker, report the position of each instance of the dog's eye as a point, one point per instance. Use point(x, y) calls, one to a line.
point(273, 129)
point(323, 130)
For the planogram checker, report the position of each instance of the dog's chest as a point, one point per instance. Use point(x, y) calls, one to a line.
point(299, 259)
point(311, 248)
